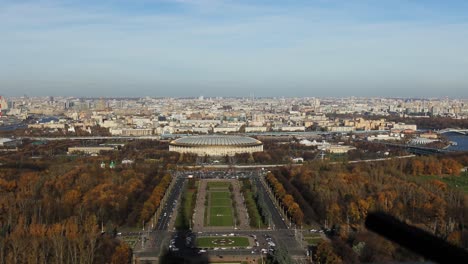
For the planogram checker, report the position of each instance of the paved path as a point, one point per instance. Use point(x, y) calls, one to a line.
point(259, 166)
point(199, 214)
point(242, 214)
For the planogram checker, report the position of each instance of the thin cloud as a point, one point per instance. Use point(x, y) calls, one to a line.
point(206, 44)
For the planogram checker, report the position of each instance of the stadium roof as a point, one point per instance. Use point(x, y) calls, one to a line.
point(216, 140)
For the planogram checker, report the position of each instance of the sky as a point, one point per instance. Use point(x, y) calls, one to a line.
point(114, 48)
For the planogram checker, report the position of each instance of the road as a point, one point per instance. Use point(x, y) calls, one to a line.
point(156, 237)
point(227, 166)
point(278, 221)
point(159, 240)
point(91, 138)
point(260, 166)
point(168, 210)
point(283, 238)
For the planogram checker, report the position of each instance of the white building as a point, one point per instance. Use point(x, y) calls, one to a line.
point(216, 145)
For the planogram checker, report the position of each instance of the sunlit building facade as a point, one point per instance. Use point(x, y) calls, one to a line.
point(216, 145)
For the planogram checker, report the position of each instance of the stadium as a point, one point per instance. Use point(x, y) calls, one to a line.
point(216, 145)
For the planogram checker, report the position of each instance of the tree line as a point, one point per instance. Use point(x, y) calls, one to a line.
point(340, 196)
point(52, 210)
point(287, 200)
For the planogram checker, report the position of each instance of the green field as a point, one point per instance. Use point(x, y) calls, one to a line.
point(459, 182)
point(222, 242)
point(221, 202)
point(221, 216)
point(219, 211)
point(215, 195)
point(219, 184)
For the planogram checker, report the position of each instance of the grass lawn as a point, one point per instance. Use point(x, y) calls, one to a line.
point(220, 195)
point(220, 242)
point(185, 211)
point(220, 205)
point(221, 202)
point(220, 184)
point(312, 241)
point(459, 182)
point(255, 220)
point(221, 216)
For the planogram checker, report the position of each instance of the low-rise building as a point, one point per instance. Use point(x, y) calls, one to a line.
point(404, 126)
point(341, 129)
point(47, 125)
point(386, 137)
point(226, 129)
point(89, 150)
point(292, 128)
point(336, 149)
point(256, 129)
point(429, 135)
point(138, 132)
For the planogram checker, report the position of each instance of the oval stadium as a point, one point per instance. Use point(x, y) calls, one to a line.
point(216, 145)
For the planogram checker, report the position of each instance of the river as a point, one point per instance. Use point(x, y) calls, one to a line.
point(462, 141)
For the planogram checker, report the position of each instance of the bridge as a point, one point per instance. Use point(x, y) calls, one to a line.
point(419, 150)
point(453, 130)
point(90, 138)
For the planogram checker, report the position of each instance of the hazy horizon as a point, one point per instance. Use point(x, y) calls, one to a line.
point(208, 97)
point(226, 48)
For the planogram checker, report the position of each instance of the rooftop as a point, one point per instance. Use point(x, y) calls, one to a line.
point(216, 140)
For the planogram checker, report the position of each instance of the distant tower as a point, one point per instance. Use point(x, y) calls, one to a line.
point(3, 104)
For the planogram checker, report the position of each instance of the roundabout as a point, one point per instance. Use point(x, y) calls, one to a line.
point(223, 242)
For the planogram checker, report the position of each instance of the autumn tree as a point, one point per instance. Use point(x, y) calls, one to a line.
point(122, 254)
point(324, 254)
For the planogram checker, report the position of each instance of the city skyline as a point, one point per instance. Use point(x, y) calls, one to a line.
point(184, 48)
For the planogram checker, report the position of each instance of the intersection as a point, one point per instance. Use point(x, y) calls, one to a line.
point(162, 239)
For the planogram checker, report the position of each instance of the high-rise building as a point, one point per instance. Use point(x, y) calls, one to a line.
point(3, 104)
